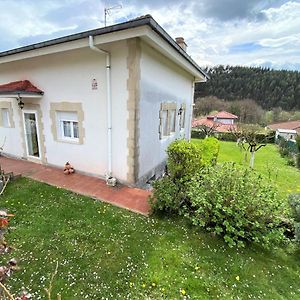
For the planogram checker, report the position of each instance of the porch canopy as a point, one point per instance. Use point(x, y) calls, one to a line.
point(20, 89)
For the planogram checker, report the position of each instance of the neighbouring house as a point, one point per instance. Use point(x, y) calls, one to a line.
point(220, 122)
point(287, 134)
point(288, 130)
point(108, 100)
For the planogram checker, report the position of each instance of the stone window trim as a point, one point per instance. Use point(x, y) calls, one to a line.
point(73, 107)
point(166, 109)
point(7, 105)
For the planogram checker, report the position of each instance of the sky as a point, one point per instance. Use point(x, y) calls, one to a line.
point(229, 32)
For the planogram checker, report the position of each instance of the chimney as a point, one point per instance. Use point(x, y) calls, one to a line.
point(180, 41)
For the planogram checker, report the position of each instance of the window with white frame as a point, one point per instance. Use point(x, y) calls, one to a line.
point(5, 117)
point(167, 115)
point(68, 128)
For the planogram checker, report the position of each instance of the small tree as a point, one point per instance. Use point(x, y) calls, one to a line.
point(247, 135)
point(208, 130)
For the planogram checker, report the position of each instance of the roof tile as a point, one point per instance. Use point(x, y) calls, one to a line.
point(23, 86)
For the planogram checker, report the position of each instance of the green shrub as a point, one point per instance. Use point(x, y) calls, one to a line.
point(294, 201)
point(209, 148)
point(227, 136)
point(235, 203)
point(227, 200)
point(298, 154)
point(268, 137)
point(165, 196)
point(184, 159)
point(197, 134)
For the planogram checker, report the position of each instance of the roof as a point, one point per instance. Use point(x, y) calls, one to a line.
point(285, 125)
point(217, 126)
point(223, 115)
point(20, 87)
point(141, 21)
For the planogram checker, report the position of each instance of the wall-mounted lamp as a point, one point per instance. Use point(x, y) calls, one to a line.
point(180, 111)
point(20, 102)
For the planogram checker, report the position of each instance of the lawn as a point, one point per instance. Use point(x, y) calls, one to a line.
point(106, 252)
point(267, 162)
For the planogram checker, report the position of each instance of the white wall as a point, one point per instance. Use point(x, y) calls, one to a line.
point(225, 121)
point(67, 77)
point(12, 135)
point(287, 136)
point(161, 81)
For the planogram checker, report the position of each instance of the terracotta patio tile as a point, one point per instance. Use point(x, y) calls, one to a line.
point(122, 196)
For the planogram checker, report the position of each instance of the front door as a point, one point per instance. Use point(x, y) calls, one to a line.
point(31, 134)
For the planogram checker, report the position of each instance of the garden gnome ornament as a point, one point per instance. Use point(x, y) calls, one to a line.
point(68, 169)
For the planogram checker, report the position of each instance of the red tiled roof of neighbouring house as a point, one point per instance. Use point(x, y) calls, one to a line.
point(203, 121)
point(227, 128)
point(20, 87)
point(295, 125)
point(223, 115)
point(217, 126)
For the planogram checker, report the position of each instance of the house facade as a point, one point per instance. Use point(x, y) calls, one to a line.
point(108, 100)
point(287, 134)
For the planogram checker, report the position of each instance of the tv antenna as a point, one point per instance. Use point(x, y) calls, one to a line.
point(107, 11)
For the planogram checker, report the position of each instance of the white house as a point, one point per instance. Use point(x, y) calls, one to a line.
point(108, 100)
point(223, 117)
point(287, 134)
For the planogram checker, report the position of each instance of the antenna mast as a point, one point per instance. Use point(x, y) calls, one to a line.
point(107, 11)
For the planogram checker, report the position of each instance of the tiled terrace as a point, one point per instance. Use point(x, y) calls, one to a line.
point(133, 199)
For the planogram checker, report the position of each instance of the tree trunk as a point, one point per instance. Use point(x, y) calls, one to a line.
point(252, 159)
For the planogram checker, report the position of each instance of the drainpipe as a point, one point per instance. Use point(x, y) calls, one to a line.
point(109, 177)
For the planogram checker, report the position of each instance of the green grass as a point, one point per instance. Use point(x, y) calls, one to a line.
point(108, 253)
point(267, 162)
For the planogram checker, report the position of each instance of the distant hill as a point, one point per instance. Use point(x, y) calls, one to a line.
point(268, 88)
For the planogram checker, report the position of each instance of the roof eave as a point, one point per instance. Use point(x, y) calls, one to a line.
point(146, 20)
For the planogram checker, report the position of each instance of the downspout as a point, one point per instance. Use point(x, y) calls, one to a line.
point(109, 178)
point(191, 110)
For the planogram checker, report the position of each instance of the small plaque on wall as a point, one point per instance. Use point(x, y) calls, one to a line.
point(94, 84)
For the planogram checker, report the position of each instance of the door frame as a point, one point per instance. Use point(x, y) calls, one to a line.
point(32, 111)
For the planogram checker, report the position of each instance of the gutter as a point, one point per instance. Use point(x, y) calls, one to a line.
point(109, 177)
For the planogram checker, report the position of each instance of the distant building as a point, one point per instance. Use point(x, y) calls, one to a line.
point(287, 130)
point(221, 122)
point(287, 134)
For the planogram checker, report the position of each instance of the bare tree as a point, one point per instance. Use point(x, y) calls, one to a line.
point(208, 130)
point(246, 135)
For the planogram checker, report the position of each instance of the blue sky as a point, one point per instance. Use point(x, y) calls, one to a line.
point(236, 32)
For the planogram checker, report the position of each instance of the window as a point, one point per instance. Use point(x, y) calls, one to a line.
point(182, 117)
point(164, 120)
point(5, 117)
point(172, 120)
point(68, 125)
point(167, 119)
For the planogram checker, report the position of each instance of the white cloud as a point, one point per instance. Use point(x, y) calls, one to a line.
point(252, 33)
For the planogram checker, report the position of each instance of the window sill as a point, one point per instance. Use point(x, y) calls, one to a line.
point(165, 137)
point(70, 141)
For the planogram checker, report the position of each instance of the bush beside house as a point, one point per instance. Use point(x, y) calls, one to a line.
point(232, 202)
